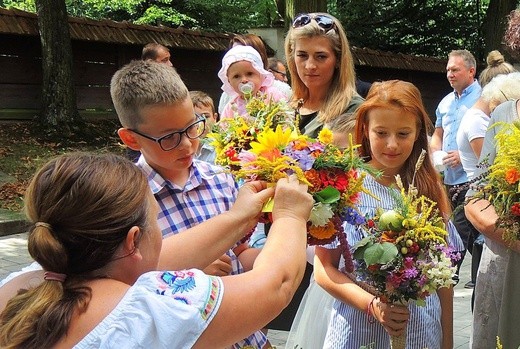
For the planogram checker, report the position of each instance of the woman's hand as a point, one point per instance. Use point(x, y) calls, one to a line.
point(249, 202)
point(291, 199)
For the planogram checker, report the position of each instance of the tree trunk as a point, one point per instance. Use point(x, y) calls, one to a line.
point(294, 7)
point(495, 23)
point(59, 116)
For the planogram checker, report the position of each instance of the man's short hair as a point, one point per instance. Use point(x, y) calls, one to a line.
point(272, 63)
point(467, 57)
point(144, 83)
point(151, 51)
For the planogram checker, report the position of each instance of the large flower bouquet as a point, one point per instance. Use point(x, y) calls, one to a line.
point(268, 148)
point(231, 136)
point(404, 256)
point(502, 181)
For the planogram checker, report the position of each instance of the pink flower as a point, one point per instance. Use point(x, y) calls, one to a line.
point(246, 157)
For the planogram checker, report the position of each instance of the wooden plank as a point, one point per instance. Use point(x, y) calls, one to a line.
point(14, 96)
point(20, 45)
point(19, 96)
point(94, 97)
point(91, 73)
point(20, 70)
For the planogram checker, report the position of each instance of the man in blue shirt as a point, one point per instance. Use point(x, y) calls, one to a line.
point(460, 71)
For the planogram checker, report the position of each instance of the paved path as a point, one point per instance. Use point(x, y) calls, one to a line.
point(14, 256)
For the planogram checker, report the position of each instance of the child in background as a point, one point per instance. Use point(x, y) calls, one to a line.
point(392, 130)
point(243, 75)
point(342, 128)
point(155, 109)
point(204, 106)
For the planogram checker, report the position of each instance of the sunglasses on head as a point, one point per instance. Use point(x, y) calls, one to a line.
point(325, 22)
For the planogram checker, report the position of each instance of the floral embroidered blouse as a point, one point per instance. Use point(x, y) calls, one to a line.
point(161, 310)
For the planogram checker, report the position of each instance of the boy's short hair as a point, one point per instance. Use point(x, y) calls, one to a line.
point(202, 98)
point(144, 83)
point(344, 123)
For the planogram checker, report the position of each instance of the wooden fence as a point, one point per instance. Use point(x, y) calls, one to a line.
point(96, 62)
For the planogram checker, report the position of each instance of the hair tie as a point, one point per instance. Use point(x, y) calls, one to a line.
point(52, 276)
point(43, 224)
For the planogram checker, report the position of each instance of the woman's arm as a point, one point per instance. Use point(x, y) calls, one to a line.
point(483, 216)
point(254, 298)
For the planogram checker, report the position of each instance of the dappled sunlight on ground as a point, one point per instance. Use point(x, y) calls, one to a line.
point(13, 254)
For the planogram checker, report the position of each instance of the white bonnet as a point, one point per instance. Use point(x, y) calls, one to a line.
point(243, 53)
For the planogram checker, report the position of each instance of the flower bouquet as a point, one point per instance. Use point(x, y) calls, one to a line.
point(502, 181)
point(231, 136)
point(404, 256)
point(268, 148)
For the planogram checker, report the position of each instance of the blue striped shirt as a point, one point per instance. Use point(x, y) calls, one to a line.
point(348, 326)
point(208, 192)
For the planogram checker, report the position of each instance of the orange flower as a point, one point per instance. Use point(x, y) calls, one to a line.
point(512, 176)
point(388, 236)
point(272, 154)
point(313, 177)
point(322, 232)
point(300, 144)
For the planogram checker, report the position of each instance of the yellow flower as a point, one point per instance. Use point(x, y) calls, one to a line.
point(269, 140)
point(325, 136)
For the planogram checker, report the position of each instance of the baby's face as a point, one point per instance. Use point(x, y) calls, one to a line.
point(242, 72)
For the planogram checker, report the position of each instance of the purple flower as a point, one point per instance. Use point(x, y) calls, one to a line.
point(423, 280)
point(352, 216)
point(316, 146)
point(303, 157)
point(411, 273)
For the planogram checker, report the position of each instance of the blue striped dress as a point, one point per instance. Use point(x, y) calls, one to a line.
point(350, 328)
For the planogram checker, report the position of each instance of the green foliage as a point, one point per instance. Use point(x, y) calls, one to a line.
point(166, 16)
point(225, 15)
point(423, 27)
point(328, 195)
point(25, 5)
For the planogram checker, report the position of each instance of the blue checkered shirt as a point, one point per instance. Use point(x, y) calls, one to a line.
point(208, 192)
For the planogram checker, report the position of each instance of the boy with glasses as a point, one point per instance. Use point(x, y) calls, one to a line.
point(158, 118)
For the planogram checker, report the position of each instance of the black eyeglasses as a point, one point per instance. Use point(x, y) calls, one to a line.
point(325, 22)
point(279, 72)
point(172, 140)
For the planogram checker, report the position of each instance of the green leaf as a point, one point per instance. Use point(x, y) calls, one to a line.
point(328, 195)
point(361, 246)
point(380, 253)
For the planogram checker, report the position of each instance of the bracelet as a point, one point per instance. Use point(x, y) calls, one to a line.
point(370, 311)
